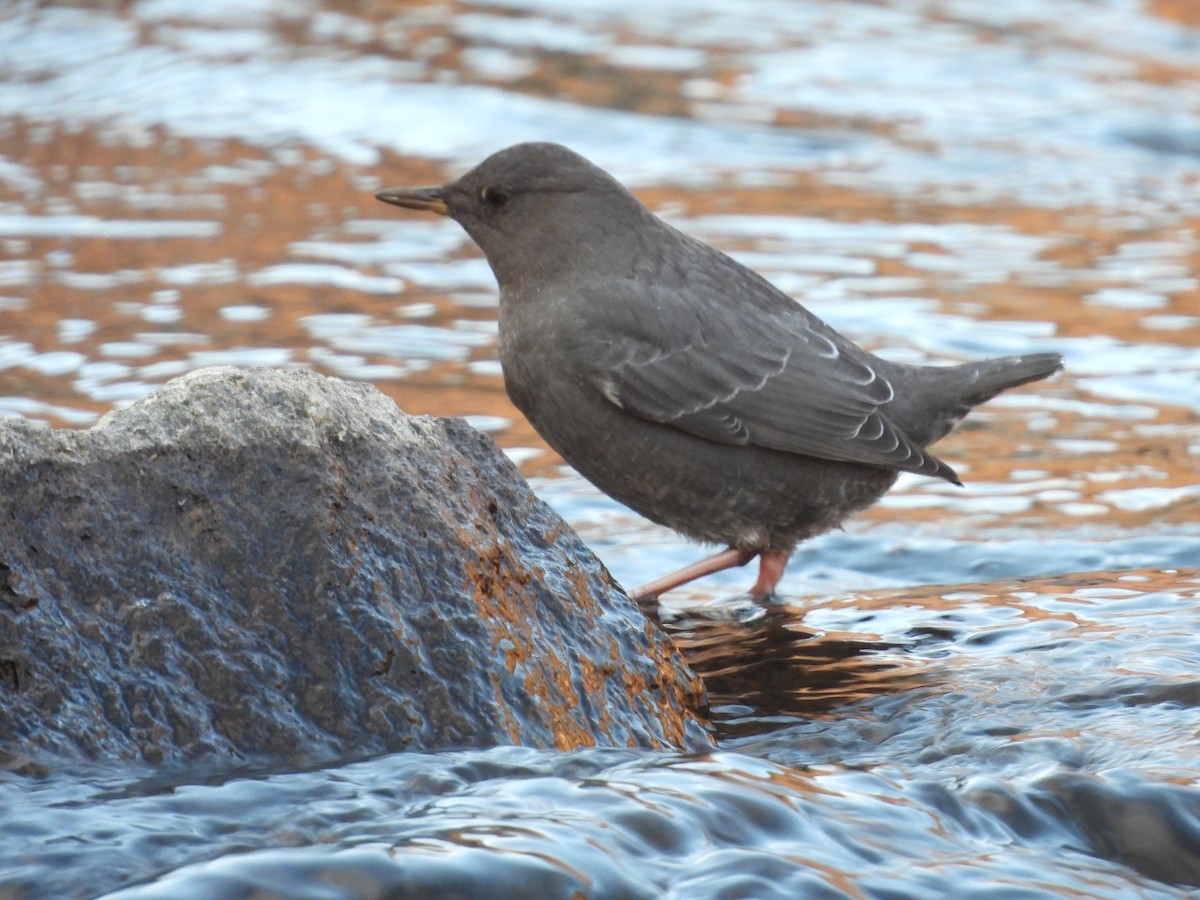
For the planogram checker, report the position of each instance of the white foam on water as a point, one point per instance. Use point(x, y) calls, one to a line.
point(93, 226)
point(245, 313)
point(30, 408)
point(529, 33)
point(363, 334)
point(325, 274)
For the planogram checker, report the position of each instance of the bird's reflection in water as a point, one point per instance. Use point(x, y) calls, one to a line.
point(764, 669)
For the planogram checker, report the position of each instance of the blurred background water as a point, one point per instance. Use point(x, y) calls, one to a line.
point(184, 185)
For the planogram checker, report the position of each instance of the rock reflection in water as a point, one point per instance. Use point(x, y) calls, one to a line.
point(760, 664)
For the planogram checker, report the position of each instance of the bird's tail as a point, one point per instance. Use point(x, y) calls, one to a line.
point(957, 389)
point(981, 381)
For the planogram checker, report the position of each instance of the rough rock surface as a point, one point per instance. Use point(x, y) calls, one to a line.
point(278, 565)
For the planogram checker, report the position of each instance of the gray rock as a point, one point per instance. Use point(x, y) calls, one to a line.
point(257, 565)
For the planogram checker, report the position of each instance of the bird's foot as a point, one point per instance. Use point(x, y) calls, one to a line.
point(771, 566)
point(718, 562)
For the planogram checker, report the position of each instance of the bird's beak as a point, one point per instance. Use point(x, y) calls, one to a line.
point(426, 199)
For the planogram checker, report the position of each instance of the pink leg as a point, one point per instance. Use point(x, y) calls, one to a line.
point(718, 562)
point(771, 564)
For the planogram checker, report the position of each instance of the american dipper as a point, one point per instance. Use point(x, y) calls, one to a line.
point(683, 384)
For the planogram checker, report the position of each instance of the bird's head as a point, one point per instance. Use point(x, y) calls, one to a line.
point(532, 208)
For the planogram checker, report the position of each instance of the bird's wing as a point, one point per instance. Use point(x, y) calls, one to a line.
point(769, 375)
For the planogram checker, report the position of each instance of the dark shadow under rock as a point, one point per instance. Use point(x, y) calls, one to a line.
point(264, 564)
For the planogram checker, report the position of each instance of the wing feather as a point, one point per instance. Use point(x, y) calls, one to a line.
point(765, 373)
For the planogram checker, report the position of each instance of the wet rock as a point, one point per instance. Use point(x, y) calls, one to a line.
point(280, 565)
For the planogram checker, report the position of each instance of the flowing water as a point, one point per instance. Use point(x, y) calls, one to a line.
point(989, 691)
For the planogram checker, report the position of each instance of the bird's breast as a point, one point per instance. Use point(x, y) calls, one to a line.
point(530, 357)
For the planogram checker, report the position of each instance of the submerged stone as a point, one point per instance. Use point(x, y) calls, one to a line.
point(279, 565)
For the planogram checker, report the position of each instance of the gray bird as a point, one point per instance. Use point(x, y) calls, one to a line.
point(683, 384)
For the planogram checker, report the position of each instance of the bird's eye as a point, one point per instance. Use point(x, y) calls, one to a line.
point(493, 196)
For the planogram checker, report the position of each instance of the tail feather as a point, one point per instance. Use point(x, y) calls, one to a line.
point(984, 380)
point(932, 400)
